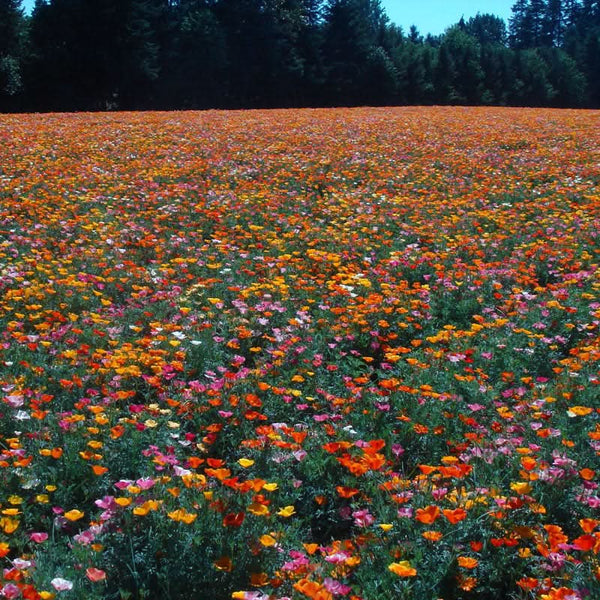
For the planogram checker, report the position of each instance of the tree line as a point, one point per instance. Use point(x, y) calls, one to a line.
point(166, 54)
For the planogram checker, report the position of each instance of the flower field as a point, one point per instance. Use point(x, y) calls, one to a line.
point(325, 354)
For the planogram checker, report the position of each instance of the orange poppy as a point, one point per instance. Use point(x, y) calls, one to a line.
point(233, 519)
point(456, 515)
point(402, 569)
point(428, 514)
point(467, 562)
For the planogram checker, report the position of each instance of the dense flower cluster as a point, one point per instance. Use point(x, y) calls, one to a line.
point(300, 354)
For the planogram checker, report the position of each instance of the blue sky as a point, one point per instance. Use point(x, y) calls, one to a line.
point(433, 16)
point(430, 16)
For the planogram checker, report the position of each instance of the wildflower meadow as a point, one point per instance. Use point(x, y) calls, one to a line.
point(278, 355)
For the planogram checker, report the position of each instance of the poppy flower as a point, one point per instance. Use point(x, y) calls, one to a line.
point(585, 543)
point(428, 514)
point(74, 515)
point(528, 583)
point(233, 519)
point(183, 516)
point(94, 574)
point(587, 474)
point(267, 540)
point(346, 492)
point(61, 585)
point(224, 564)
point(402, 569)
point(455, 515)
point(286, 511)
point(467, 562)
point(588, 525)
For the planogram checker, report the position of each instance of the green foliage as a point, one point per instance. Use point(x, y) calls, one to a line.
point(109, 54)
point(12, 31)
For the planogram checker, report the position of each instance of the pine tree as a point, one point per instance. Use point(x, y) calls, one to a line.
point(11, 18)
point(487, 29)
point(94, 54)
point(195, 71)
point(98, 54)
point(11, 51)
point(496, 63)
point(521, 28)
point(553, 23)
point(531, 85)
point(565, 78)
point(460, 66)
point(527, 23)
point(359, 67)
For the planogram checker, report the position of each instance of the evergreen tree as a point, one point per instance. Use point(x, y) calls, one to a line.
point(496, 64)
point(290, 65)
point(531, 85)
point(310, 49)
point(459, 68)
point(11, 20)
point(196, 61)
point(138, 53)
point(416, 73)
point(11, 51)
point(591, 64)
point(414, 36)
point(444, 75)
point(487, 29)
point(553, 24)
point(539, 17)
point(582, 43)
point(99, 54)
point(527, 23)
point(265, 65)
point(359, 68)
point(565, 78)
point(521, 28)
point(93, 54)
